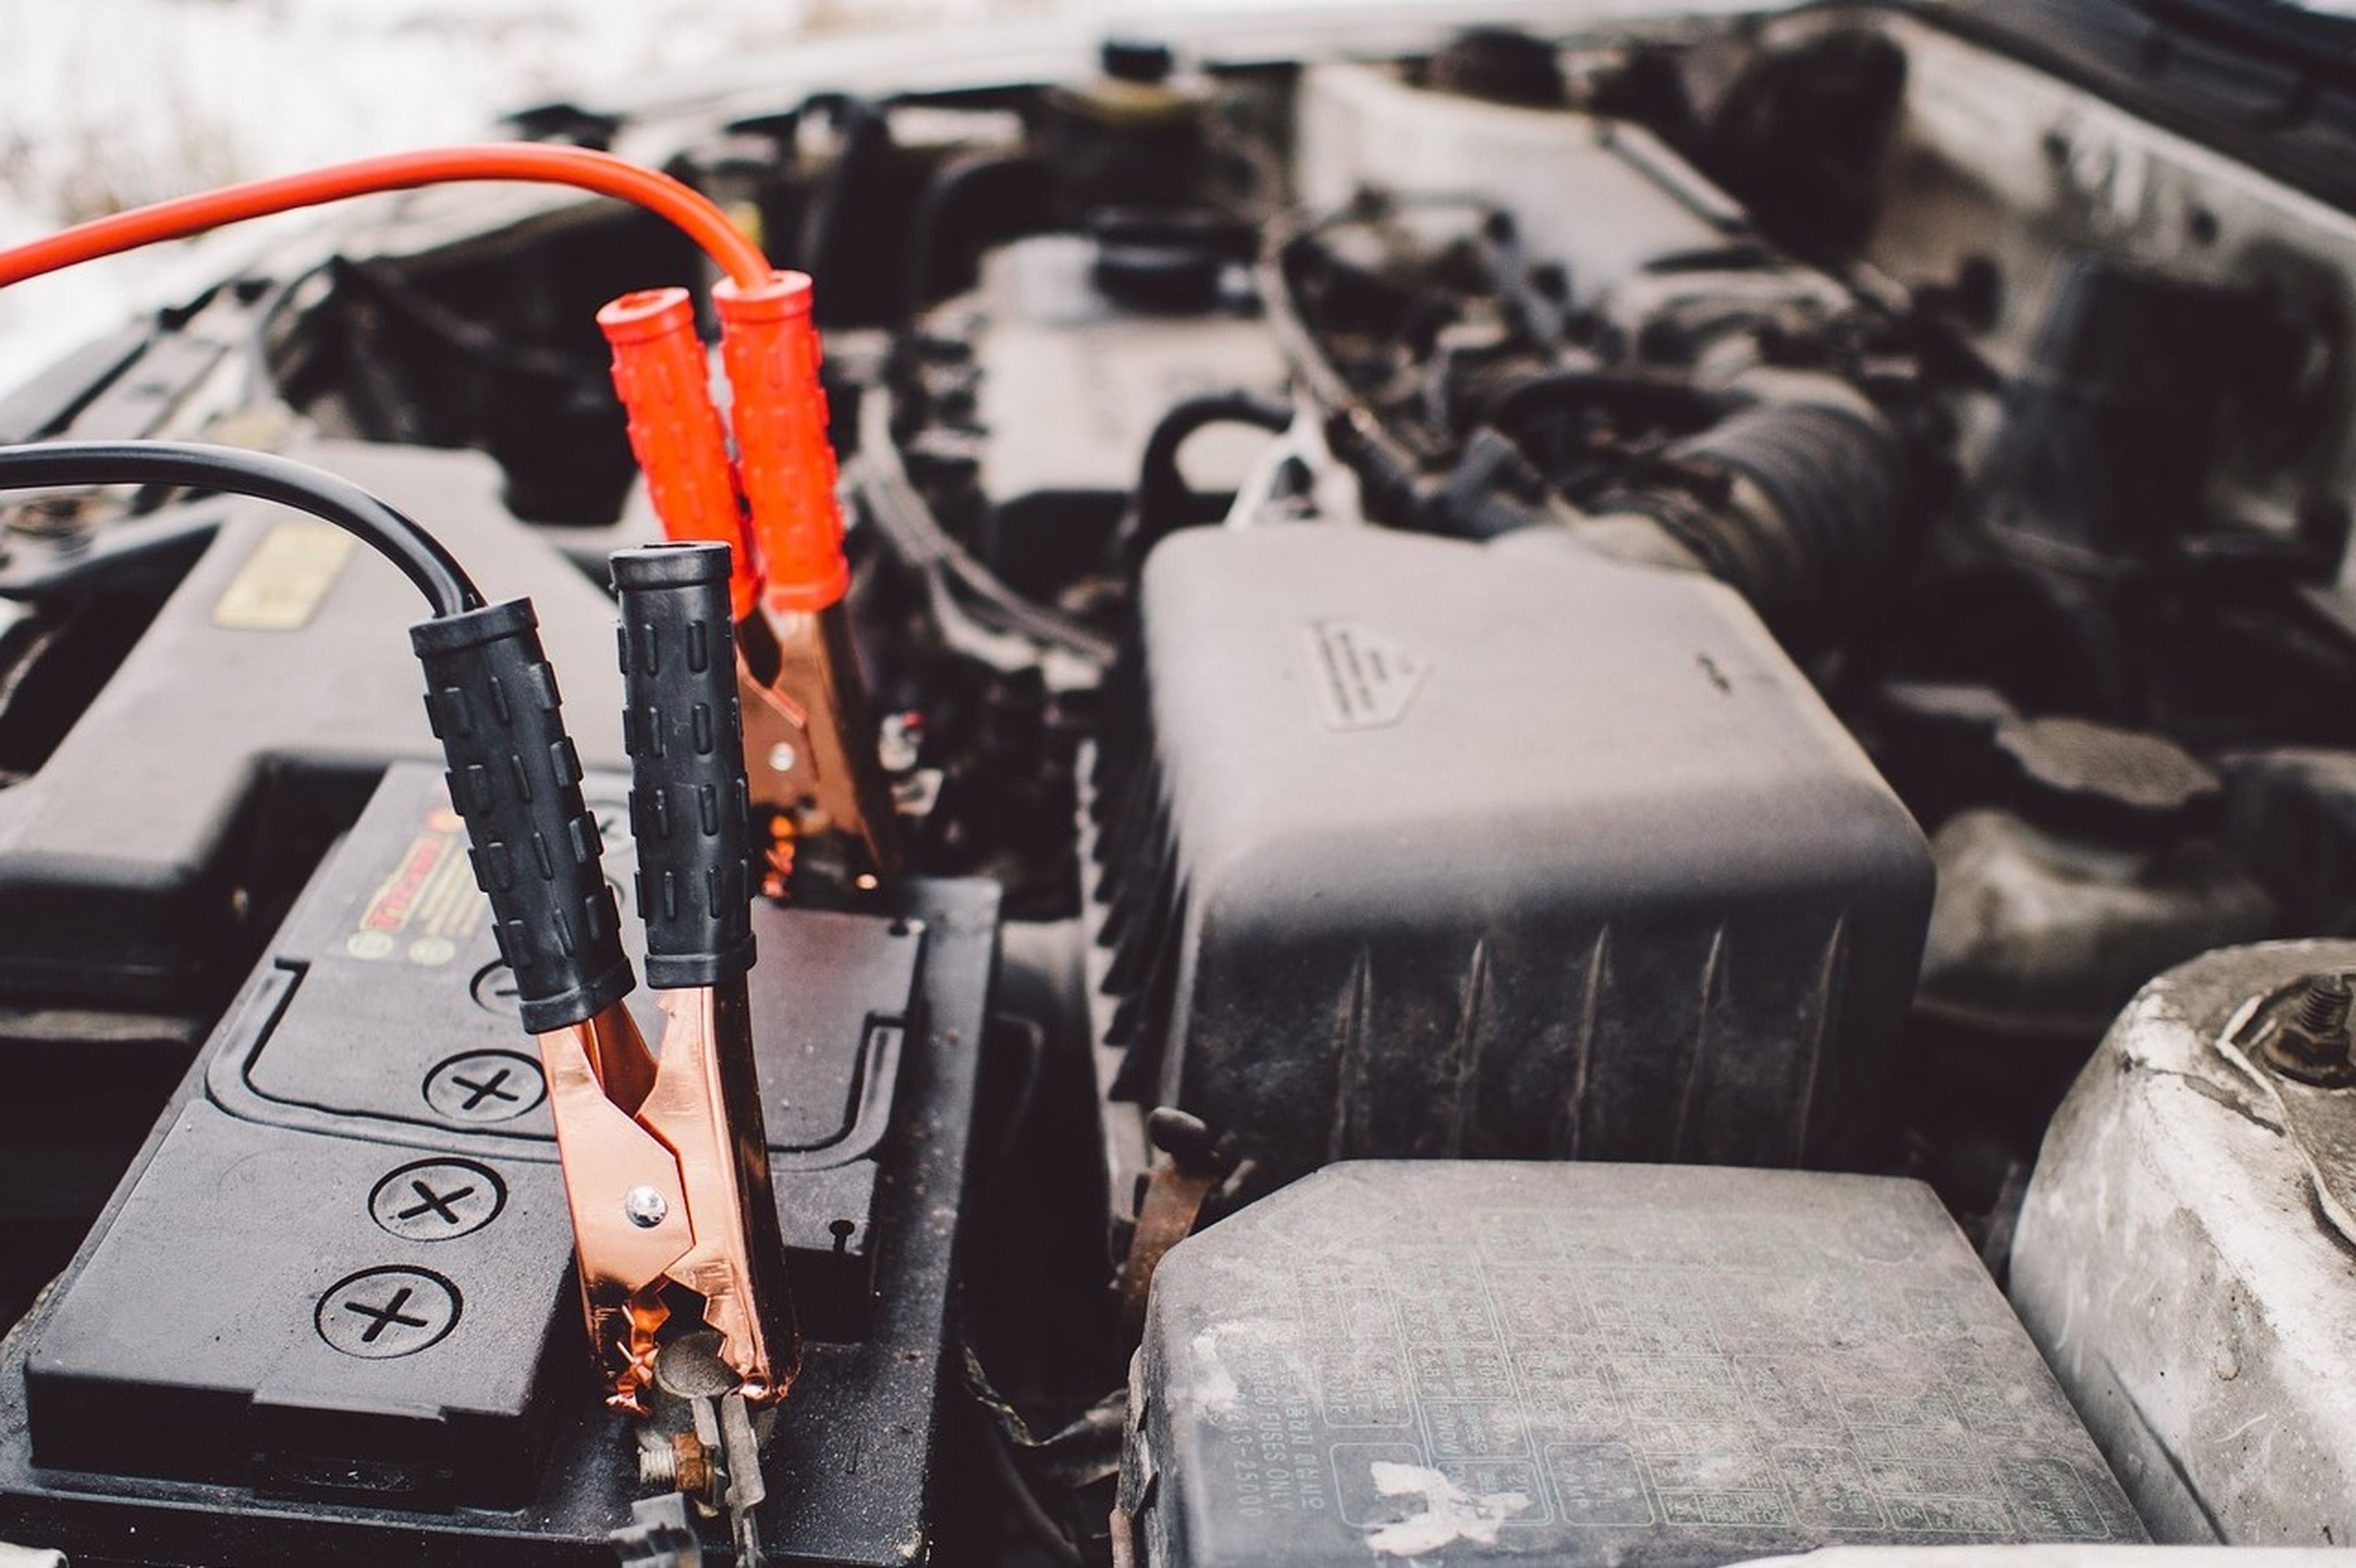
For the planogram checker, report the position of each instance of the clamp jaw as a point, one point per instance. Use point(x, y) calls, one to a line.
point(666, 1162)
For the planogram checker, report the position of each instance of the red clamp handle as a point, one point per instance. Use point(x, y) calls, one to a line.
point(665, 384)
point(771, 350)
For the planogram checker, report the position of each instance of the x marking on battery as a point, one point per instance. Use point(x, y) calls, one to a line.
point(478, 1092)
point(383, 1317)
point(431, 1201)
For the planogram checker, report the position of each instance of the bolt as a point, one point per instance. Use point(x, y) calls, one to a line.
point(645, 1207)
point(678, 1464)
point(2324, 1006)
point(781, 758)
point(2312, 1044)
point(1187, 1140)
point(899, 741)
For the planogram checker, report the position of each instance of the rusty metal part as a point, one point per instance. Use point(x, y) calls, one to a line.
point(1176, 1189)
point(808, 747)
point(2284, 1044)
point(2310, 1040)
point(679, 1462)
point(692, 1377)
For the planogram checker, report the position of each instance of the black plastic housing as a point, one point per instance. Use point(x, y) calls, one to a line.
point(1632, 1366)
point(245, 729)
point(515, 777)
point(690, 809)
point(198, 1388)
point(1415, 849)
point(145, 859)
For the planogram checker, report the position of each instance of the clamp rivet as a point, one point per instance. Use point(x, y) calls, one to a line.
point(645, 1207)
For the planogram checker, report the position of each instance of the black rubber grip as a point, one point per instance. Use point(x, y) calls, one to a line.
point(515, 779)
point(690, 807)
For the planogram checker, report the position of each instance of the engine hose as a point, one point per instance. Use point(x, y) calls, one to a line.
point(1165, 501)
point(1798, 505)
point(1677, 403)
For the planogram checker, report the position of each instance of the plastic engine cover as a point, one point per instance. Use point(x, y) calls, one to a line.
point(1434, 851)
point(1630, 1365)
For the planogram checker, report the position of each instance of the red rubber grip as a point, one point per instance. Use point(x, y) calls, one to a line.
point(665, 384)
point(771, 350)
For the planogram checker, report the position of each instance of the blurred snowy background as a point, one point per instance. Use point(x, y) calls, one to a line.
point(109, 103)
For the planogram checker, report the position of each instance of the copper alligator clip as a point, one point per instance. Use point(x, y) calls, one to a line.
point(807, 730)
point(666, 1164)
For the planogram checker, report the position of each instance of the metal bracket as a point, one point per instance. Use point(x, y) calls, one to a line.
point(2320, 1123)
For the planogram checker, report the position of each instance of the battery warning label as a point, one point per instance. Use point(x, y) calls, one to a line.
point(289, 575)
point(427, 907)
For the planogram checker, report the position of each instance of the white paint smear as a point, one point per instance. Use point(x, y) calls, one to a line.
point(1450, 1513)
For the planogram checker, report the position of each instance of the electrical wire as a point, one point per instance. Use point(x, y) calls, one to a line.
point(694, 214)
point(1163, 499)
point(418, 554)
point(911, 531)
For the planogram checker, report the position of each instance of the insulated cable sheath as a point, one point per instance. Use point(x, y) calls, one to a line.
point(237, 472)
point(581, 168)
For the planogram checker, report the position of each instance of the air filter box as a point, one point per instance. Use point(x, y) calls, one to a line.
point(1416, 847)
point(1634, 1365)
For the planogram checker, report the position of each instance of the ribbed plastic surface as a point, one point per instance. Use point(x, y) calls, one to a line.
point(515, 777)
point(1413, 848)
point(771, 350)
point(690, 809)
point(665, 385)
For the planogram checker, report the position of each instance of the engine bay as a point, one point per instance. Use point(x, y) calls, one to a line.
point(1592, 799)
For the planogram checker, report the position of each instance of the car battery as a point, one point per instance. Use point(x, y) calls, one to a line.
point(1622, 1364)
point(146, 854)
point(332, 1312)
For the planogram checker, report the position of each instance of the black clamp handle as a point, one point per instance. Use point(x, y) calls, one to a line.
point(515, 779)
point(691, 808)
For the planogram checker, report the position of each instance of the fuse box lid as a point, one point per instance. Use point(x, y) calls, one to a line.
point(1588, 1363)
